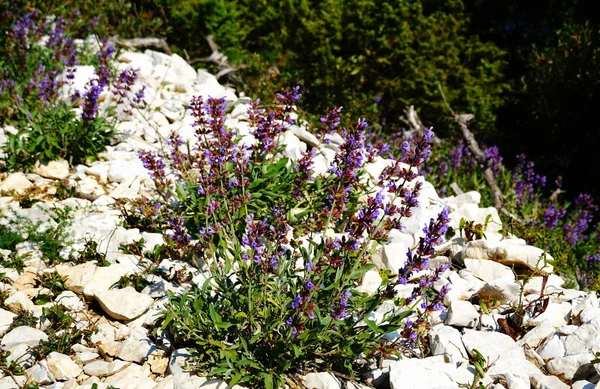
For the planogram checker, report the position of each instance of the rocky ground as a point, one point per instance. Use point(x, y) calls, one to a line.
point(556, 351)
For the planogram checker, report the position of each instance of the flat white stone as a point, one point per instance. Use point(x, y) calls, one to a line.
point(56, 170)
point(321, 381)
point(104, 369)
point(77, 276)
point(552, 348)
point(23, 335)
point(492, 345)
point(410, 373)
point(487, 270)
point(539, 334)
point(124, 304)
point(105, 277)
point(502, 290)
point(18, 301)
point(586, 337)
point(567, 366)
point(462, 314)
point(135, 350)
point(133, 376)
point(6, 319)
point(40, 373)
point(62, 367)
point(446, 341)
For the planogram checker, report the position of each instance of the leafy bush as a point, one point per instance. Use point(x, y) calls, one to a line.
point(285, 248)
point(375, 57)
point(38, 60)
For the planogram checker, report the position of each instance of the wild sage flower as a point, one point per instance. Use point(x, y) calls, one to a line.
point(526, 180)
point(585, 210)
point(552, 215)
point(89, 108)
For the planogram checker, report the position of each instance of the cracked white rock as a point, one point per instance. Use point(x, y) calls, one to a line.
point(124, 304)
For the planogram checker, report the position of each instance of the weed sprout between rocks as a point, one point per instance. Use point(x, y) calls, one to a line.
point(285, 248)
point(38, 61)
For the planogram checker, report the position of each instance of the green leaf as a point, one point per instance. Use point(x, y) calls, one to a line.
point(235, 379)
point(268, 380)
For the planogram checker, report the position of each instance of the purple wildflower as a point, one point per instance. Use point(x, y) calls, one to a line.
point(93, 88)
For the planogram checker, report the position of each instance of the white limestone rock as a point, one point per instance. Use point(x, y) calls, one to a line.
point(586, 337)
point(77, 276)
point(539, 334)
point(304, 135)
point(501, 290)
point(509, 252)
point(455, 202)
point(122, 170)
point(321, 381)
point(209, 86)
point(567, 366)
point(123, 304)
point(556, 314)
point(131, 377)
point(70, 300)
point(6, 319)
point(410, 373)
point(56, 170)
point(23, 335)
point(552, 348)
point(135, 350)
point(105, 277)
point(62, 367)
point(18, 301)
point(583, 384)
point(462, 314)
point(446, 341)
point(104, 369)
point(492, 345)
point(40, 374)
point(487, 270)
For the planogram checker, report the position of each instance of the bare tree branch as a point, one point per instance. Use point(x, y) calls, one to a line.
point(486, 163)
point(218, 58)
point(159, 44)
point(416, 128)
